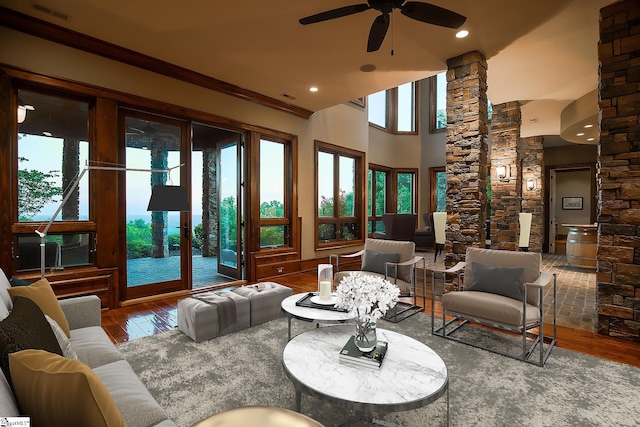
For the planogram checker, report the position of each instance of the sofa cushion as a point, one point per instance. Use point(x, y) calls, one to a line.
point(63, 341)
point(135, 403)
point(25, 328)
point(405, 249)
point(489, 308)
point(42, 294)
point(93, 346)
point(530, 261)
point(5, 298)
point(4, 312)
point(8, 405)
point(505, 281)
point(56, 391)
point(375, 261)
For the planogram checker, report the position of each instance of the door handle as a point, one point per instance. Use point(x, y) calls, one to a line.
point(185, 231)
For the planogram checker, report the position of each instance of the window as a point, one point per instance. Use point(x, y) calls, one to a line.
point(52, 148)
point(274, 220)
point(438, 102)
point(378, 179)
point(390, 191)
point(406, 192)
point(437, 189)
point(394, 110)
point(339, 195)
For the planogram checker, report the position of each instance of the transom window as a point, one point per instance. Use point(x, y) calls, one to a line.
point(394, 110)
point(339, 191)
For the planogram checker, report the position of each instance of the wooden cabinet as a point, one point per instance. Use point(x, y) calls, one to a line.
point(102, 282)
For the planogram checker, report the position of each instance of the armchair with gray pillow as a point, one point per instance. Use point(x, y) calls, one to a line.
point(503, 290)
point(395, 261)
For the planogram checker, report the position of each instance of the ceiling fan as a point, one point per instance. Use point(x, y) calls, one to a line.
point(424, 12)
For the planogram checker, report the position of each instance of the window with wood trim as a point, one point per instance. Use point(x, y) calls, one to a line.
point(437, 189)
point(395, 110)
point(339, 195)
point(52, 148)
point(378, 178)
point(275, 193)
point(406, 191)
point(438, 102)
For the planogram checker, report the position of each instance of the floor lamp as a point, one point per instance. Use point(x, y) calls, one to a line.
point(163, 198)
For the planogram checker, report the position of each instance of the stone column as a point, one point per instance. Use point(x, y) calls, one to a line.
point(618, 255)
point(466, 150)
point(533, 200)
point(159, 219)
point(209, 203)
point(70, 169)
point(506, 193)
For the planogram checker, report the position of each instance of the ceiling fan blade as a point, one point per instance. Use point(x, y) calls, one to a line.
point(335, 13)
point(378, 31)
point(432, 14)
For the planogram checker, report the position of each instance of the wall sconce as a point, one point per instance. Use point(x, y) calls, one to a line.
point(531, 184)
point(22, 110)
point(501, 172)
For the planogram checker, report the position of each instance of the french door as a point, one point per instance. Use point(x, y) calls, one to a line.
point(157, 244)
point(230, 221)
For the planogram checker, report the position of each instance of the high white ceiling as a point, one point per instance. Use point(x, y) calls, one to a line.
point(541, 52)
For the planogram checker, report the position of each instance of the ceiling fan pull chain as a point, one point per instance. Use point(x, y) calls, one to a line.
point(393, 31)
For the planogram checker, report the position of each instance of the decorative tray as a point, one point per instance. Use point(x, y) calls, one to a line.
point(305, 301)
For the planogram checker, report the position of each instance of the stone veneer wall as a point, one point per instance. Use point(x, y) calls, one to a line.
point(532, 153)
point(466, 151)
point(618, 179)
point(209, 203)
point(506, 193)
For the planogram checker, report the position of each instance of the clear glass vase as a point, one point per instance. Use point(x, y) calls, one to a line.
point(365, 337)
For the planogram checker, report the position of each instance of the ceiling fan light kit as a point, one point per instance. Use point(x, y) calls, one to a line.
point(423, 12)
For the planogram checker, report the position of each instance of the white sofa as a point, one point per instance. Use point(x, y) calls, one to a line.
point(94, 348)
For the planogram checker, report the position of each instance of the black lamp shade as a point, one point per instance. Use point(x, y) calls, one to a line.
point(168, 198)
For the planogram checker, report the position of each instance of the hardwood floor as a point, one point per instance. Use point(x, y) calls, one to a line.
point(160, 315)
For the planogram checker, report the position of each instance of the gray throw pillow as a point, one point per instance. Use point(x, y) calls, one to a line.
point(503, 281)
point(374, 261)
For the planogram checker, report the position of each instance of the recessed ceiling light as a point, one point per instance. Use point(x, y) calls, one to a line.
point(45, 133)
point(462, 34)
point(313, 89)
point(367, 68)
point(588, 126)
point(590, 139)
point(580, 134)
point(533, 120)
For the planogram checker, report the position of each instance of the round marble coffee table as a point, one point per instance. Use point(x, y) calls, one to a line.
point(411, 376)
point(308, 314)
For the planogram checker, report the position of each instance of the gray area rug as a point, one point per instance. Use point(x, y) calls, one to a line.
point(194, 380)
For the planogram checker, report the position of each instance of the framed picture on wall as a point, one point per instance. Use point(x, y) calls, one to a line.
point(572, 203)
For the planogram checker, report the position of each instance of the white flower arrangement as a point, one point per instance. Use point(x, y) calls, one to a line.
point(368, 297)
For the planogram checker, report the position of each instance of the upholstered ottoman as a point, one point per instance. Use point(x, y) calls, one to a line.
point(266, 299)
point(212, 314)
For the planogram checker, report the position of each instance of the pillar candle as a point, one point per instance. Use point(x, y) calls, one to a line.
point(325, 290)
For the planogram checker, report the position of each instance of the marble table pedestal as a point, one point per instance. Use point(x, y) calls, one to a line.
point(411, 376)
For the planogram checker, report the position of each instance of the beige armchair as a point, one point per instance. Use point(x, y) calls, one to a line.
point(503, 290)
point(395, 261)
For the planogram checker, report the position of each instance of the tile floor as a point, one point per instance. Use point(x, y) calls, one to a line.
point(576, 291)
